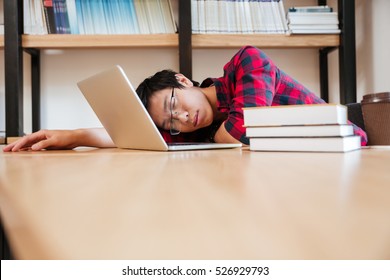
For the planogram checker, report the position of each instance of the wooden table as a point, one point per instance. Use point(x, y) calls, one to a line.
point(225, 204)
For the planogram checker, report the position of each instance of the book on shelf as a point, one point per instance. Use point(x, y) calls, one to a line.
point(338, 130)
point(315, 31)
point(314, 26)
point(305, 114)
point(49, 18)
point(238, 16)
point(34, 19)
point(312, 20)
point(306, 144)
point(311, 9)
point(98, 17)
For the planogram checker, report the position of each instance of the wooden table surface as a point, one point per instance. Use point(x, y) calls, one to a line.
point(216, 204)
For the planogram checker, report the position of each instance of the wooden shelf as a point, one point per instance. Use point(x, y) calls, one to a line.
point(264, 40)
point(61, 41)
point(171, 40)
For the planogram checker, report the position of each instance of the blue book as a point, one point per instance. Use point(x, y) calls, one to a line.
point(109, 16)
point(80, 18)
point(61, 17)
point(133, 17)
point(87, 16)
point(127, 25)
point(72, 16)
point(98, 16)
point(116, 17)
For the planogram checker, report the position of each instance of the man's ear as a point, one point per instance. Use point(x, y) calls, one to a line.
point(183, 80)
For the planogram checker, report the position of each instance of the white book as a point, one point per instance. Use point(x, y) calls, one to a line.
point(315, 31)
point(201, 16)
point(283, 16)
point(305, 114)
point(245, 15)
point(225, 17)
point(314, 26)
point(255, 16)
point(27, 21)
point(300, 131)
point(169, 16)
point(72, 14)
point(306, 144)
point(278, 23)
point(309, 14)
point(312, 18)
point(194, 16)
point(39, 26)
point(211, 16)
point(268, 17)
point(141, 17)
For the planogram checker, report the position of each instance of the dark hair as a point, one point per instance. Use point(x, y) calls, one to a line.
point(159, 81)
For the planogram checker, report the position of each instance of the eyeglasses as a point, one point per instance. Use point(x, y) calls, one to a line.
point(175, 124)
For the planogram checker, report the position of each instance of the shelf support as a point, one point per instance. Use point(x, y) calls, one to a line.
point(13, 58)
point(185, 38)
point(324, 78)
point(347, 51)
point(35, 88)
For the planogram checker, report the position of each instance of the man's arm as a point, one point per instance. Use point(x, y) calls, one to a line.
point(222, 136)
point(62, 139)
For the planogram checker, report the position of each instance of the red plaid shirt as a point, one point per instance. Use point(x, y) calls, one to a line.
point(252, 79)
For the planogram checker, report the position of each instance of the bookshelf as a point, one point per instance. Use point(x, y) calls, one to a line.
point(185, 41)
point(267, 41)
point(63, 41)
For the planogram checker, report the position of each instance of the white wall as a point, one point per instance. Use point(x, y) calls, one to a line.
point(372, 46)
point(64, 107)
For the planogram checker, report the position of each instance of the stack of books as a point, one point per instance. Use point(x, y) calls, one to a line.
point(312, 20)
point(300, 128)
point(98, 17)
point(238, 16)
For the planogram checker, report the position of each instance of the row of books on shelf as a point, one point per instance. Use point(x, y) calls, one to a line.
point(156, 16)
point(241, 16)
point(261, 16)
point(300, 128)
point(312, 19)
point(98, 17)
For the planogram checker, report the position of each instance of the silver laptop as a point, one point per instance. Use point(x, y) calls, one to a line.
point(119, 109)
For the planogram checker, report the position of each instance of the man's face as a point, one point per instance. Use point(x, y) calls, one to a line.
point(193, 109)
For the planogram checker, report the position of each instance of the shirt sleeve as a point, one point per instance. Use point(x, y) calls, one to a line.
point(251, 77)
point(360, 132)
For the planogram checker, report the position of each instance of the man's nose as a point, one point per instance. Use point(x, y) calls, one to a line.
point(181, 116)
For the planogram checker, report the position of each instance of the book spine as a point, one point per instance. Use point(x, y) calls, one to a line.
point(49, 15)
